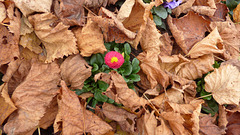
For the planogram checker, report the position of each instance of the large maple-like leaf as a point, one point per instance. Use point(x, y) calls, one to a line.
point(196, 67)
point(90, 38)
point(210, 44)
point(188, 30)
point(75, 118)
point(6, 104)
point(57, 39)
point(74, 71)
point(71, 12)
point(27, 7)
point(224, 84)
point(39, 87)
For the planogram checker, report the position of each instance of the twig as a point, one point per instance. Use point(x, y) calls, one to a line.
point(39, 131)
point(158, 113)
point(89, 10)
point(204, 96)
point(219, 58)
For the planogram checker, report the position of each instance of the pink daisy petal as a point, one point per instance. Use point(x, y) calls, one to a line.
point(114, 59)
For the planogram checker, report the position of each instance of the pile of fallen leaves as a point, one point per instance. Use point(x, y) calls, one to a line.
point(43, 42)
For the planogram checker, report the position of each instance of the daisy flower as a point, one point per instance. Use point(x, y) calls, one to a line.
point(114, 59)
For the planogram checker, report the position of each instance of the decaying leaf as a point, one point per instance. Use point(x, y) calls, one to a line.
point(208, 127)
point(236, 14)
point(26, 26)
point(167, 47)
point(119, 91)
point(8, 46)
point(196, 67)
point(57, 39)
point(2, 12)
point(224, 84)
point(90, 38)
point(210, 44)
point(98, 3)
point(221, 12)
point(75, 118)
point(6, 104)
point(125, 119)
point(150, 66)
point(234, 123)
point(188, 29)
point(74, 71)
point(71, 12)
point(39, 87)
point(27, 7)
point(32, 42)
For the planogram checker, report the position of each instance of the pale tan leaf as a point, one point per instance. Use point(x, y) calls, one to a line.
point(183, 8)
point(125, 119)
point(8, 47)
point(71, 12)
point(90, 38)
point(39, 87)
point(204, 10)
point(6, 104)
point(188, 29)
point(57, 39)
point(119, 91)
point(147, 124)
point(233, 62)
point(236, 14)
point(125, 10)
point(27, 7)
point(210, 44)
point(74, 71)
point(224, 84)
point(196, 67)
point(27, 54)
point(3, 14)
point(26, 26)
point(32, 42)
point(75, 118)
point(151, 43)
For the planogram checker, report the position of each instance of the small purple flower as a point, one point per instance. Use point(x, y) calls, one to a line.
point(173, 4)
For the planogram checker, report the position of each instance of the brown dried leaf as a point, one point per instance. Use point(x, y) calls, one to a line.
point(119, 91)
point(210, 44)
point(27, 54)
point(75, 118)
point(6, 104)
point(98, 3)
point(222, 120)
point(147, 124)
point(167, 47)
point(125, 10)
point(171, 95)
point(3, 14)
point(224, 84)
point(170, 63)
point(71, 12)
point(188, 30)
point(27, 7)
point(221, 12)
point(8, 47)
point(236, 14)
point(74, 71)
point(233, 127)
point(183, 8)
point(26, 26)
point(32, 42)
point(125, 119)
point(233, 62)
point(57, 39)
point(151, 43)
point(150, 66)
point(204, 7)
point(208, 127)
point(90, 38)
point(196, 67)
point(39, 87)
point(113, 29)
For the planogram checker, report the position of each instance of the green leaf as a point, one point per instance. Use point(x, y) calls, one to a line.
point(94, 103)
point(134, 77)
point(95, 67)
point(127, 68)
point(93, 59)
point(102, 85)
point(231, 4)
point(79, 92)
point(116, 49)
point(204, 93)
point(161, 12)
point(108, 46)
point(100, 59)
point(157, 20)
point(127, 48)
point(126, 80)
point(104, 67)
point(131, 86)
point(169, 10)
point(110, 101)
point(163, 26)
point(126, 57)
point(135, 65)
point(100, 97)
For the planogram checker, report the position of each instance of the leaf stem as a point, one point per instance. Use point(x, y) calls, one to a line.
point(205, 96)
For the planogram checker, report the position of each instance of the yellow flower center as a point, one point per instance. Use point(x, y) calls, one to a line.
point(114, 59)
